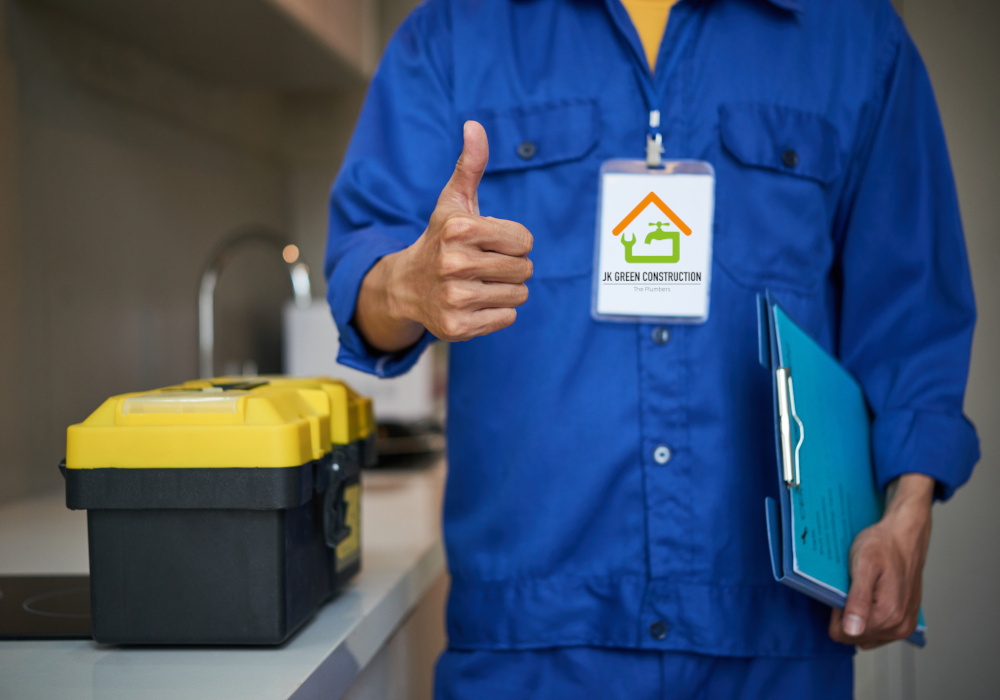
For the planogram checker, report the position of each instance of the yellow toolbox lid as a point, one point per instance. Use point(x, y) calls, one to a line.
point(225, 422)
point(351, 416)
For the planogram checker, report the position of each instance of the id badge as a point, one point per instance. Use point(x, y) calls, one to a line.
point(653, 256)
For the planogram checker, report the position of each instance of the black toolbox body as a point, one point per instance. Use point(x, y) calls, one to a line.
point(249, 573)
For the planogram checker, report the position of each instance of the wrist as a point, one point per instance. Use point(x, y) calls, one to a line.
point(910, 493)
point(908, 506)
point(392, 287)
point(379, 315)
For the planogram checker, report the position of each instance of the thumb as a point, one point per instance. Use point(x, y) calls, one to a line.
point(461, 190)
point(859, 598)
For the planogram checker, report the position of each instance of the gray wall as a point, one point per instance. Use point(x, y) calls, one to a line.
point(13, 480)
point(958, 41)
point(118, 176)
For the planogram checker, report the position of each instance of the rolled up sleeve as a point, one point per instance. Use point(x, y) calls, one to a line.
point(907, 306)
point(401, 155)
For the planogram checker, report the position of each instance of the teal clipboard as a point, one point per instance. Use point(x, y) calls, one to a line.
point(826, 481)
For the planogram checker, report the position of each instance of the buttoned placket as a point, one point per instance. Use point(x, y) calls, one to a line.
point(662, 362)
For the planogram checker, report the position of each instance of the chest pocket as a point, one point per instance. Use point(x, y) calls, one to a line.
point(775, 195)
point(542, 173)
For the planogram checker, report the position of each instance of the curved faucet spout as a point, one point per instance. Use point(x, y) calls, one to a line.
point(224, 253)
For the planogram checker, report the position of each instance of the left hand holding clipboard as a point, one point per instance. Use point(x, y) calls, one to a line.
point(887, 562)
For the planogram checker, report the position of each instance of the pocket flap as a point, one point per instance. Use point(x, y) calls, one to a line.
point(530, 137)
point(779, 138)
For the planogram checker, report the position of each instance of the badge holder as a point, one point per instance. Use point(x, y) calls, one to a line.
point(653, 253)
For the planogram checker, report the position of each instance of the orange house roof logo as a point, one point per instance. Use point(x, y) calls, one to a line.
point(659, 234)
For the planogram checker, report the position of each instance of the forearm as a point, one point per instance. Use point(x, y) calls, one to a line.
point(375, 315)
point(908, 501)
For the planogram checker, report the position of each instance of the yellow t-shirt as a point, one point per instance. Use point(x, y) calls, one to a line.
point(650, 20)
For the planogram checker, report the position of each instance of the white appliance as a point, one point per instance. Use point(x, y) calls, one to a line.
point(311, 343)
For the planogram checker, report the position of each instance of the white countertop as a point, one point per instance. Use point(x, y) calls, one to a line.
point(402, 557)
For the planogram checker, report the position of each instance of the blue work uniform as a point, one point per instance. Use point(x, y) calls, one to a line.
point(607, 480)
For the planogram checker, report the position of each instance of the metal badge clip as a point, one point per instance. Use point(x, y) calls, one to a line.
point(654, 141)
point(654, 151)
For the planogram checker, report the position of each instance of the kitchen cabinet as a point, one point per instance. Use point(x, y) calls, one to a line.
point(279, 44)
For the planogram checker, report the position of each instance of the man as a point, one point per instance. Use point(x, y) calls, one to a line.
point(604, 510)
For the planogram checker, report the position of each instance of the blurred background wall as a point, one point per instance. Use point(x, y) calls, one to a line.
point(132, 143)
point(134, 138)
point(958, 41)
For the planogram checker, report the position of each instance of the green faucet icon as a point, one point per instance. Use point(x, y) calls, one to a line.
point(657, 235)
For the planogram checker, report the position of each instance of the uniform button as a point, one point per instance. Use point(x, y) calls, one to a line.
point(661, 454)
point(790, 158)
point(658, 630)
point(527, 150)
point(661, 335)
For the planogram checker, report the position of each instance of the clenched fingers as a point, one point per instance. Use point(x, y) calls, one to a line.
point(888, 614)
point(505, 237)
point(495, 319)
point(469, 295)
point(459, 327)
point(504, 268)
point(487, 233)
point(486, 267)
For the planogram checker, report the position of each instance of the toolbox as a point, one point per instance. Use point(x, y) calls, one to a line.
point(221, 511)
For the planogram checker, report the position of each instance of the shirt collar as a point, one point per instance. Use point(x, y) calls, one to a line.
point(792, 5)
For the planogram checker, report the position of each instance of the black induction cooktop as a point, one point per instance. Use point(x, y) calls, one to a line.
point(44, 607)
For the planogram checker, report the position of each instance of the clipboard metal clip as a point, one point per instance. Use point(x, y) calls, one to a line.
point(786, 414)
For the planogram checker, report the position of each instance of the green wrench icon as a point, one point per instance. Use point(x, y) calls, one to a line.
point(658, 235)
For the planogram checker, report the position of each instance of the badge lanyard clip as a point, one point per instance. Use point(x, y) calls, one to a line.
point(654, 141)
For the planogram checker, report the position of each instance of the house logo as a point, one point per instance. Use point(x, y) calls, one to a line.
point(658, 234)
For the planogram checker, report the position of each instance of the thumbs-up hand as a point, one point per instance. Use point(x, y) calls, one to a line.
point(464, 277)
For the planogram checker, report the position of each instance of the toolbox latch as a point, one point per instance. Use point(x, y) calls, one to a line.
point(335, 526)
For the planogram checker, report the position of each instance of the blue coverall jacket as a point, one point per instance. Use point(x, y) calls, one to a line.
point(560, 526)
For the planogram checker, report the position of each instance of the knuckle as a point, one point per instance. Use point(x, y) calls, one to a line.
point(452, 327)
point(864, 563)
point(457, 228)
point(451, 264)
point(896, 618)
point(891, 617)
point(864, 547)
point(864, 542)
point(453, 296)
